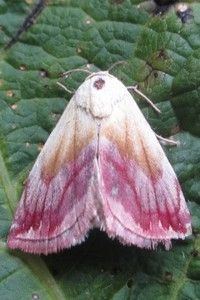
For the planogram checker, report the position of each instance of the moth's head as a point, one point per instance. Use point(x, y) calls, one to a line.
point(99, 94)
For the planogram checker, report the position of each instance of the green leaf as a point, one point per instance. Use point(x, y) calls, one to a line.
point(162, 56)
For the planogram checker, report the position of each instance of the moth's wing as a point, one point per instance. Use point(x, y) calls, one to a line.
point(142, 199)
point(56, 208)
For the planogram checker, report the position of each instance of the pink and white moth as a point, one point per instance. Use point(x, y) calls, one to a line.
point(102, 166)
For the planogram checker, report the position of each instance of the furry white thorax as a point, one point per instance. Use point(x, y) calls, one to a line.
point(100, 102)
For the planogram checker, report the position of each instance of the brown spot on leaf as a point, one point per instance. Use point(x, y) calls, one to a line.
point(88, 22)
point(78, 50)
point(10, 93)
point(43, 73)
point(22, 67)
point(168, 276)
point(35, 296)
point(14, 106)
point(162, 54)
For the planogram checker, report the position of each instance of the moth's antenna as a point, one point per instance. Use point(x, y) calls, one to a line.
point(135, 87)
point(64, 87)
point(145, 97)
point(66, 74)
point(120, 62)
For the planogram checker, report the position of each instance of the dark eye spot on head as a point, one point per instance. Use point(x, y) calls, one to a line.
point(99, 83)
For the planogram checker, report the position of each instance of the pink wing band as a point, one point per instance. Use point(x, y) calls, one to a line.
point(113, 193)
point(56, 213)
point(138, 208)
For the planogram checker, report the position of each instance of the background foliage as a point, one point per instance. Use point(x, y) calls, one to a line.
point(162, 51)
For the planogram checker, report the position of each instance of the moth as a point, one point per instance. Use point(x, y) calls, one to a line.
point(102, 166)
